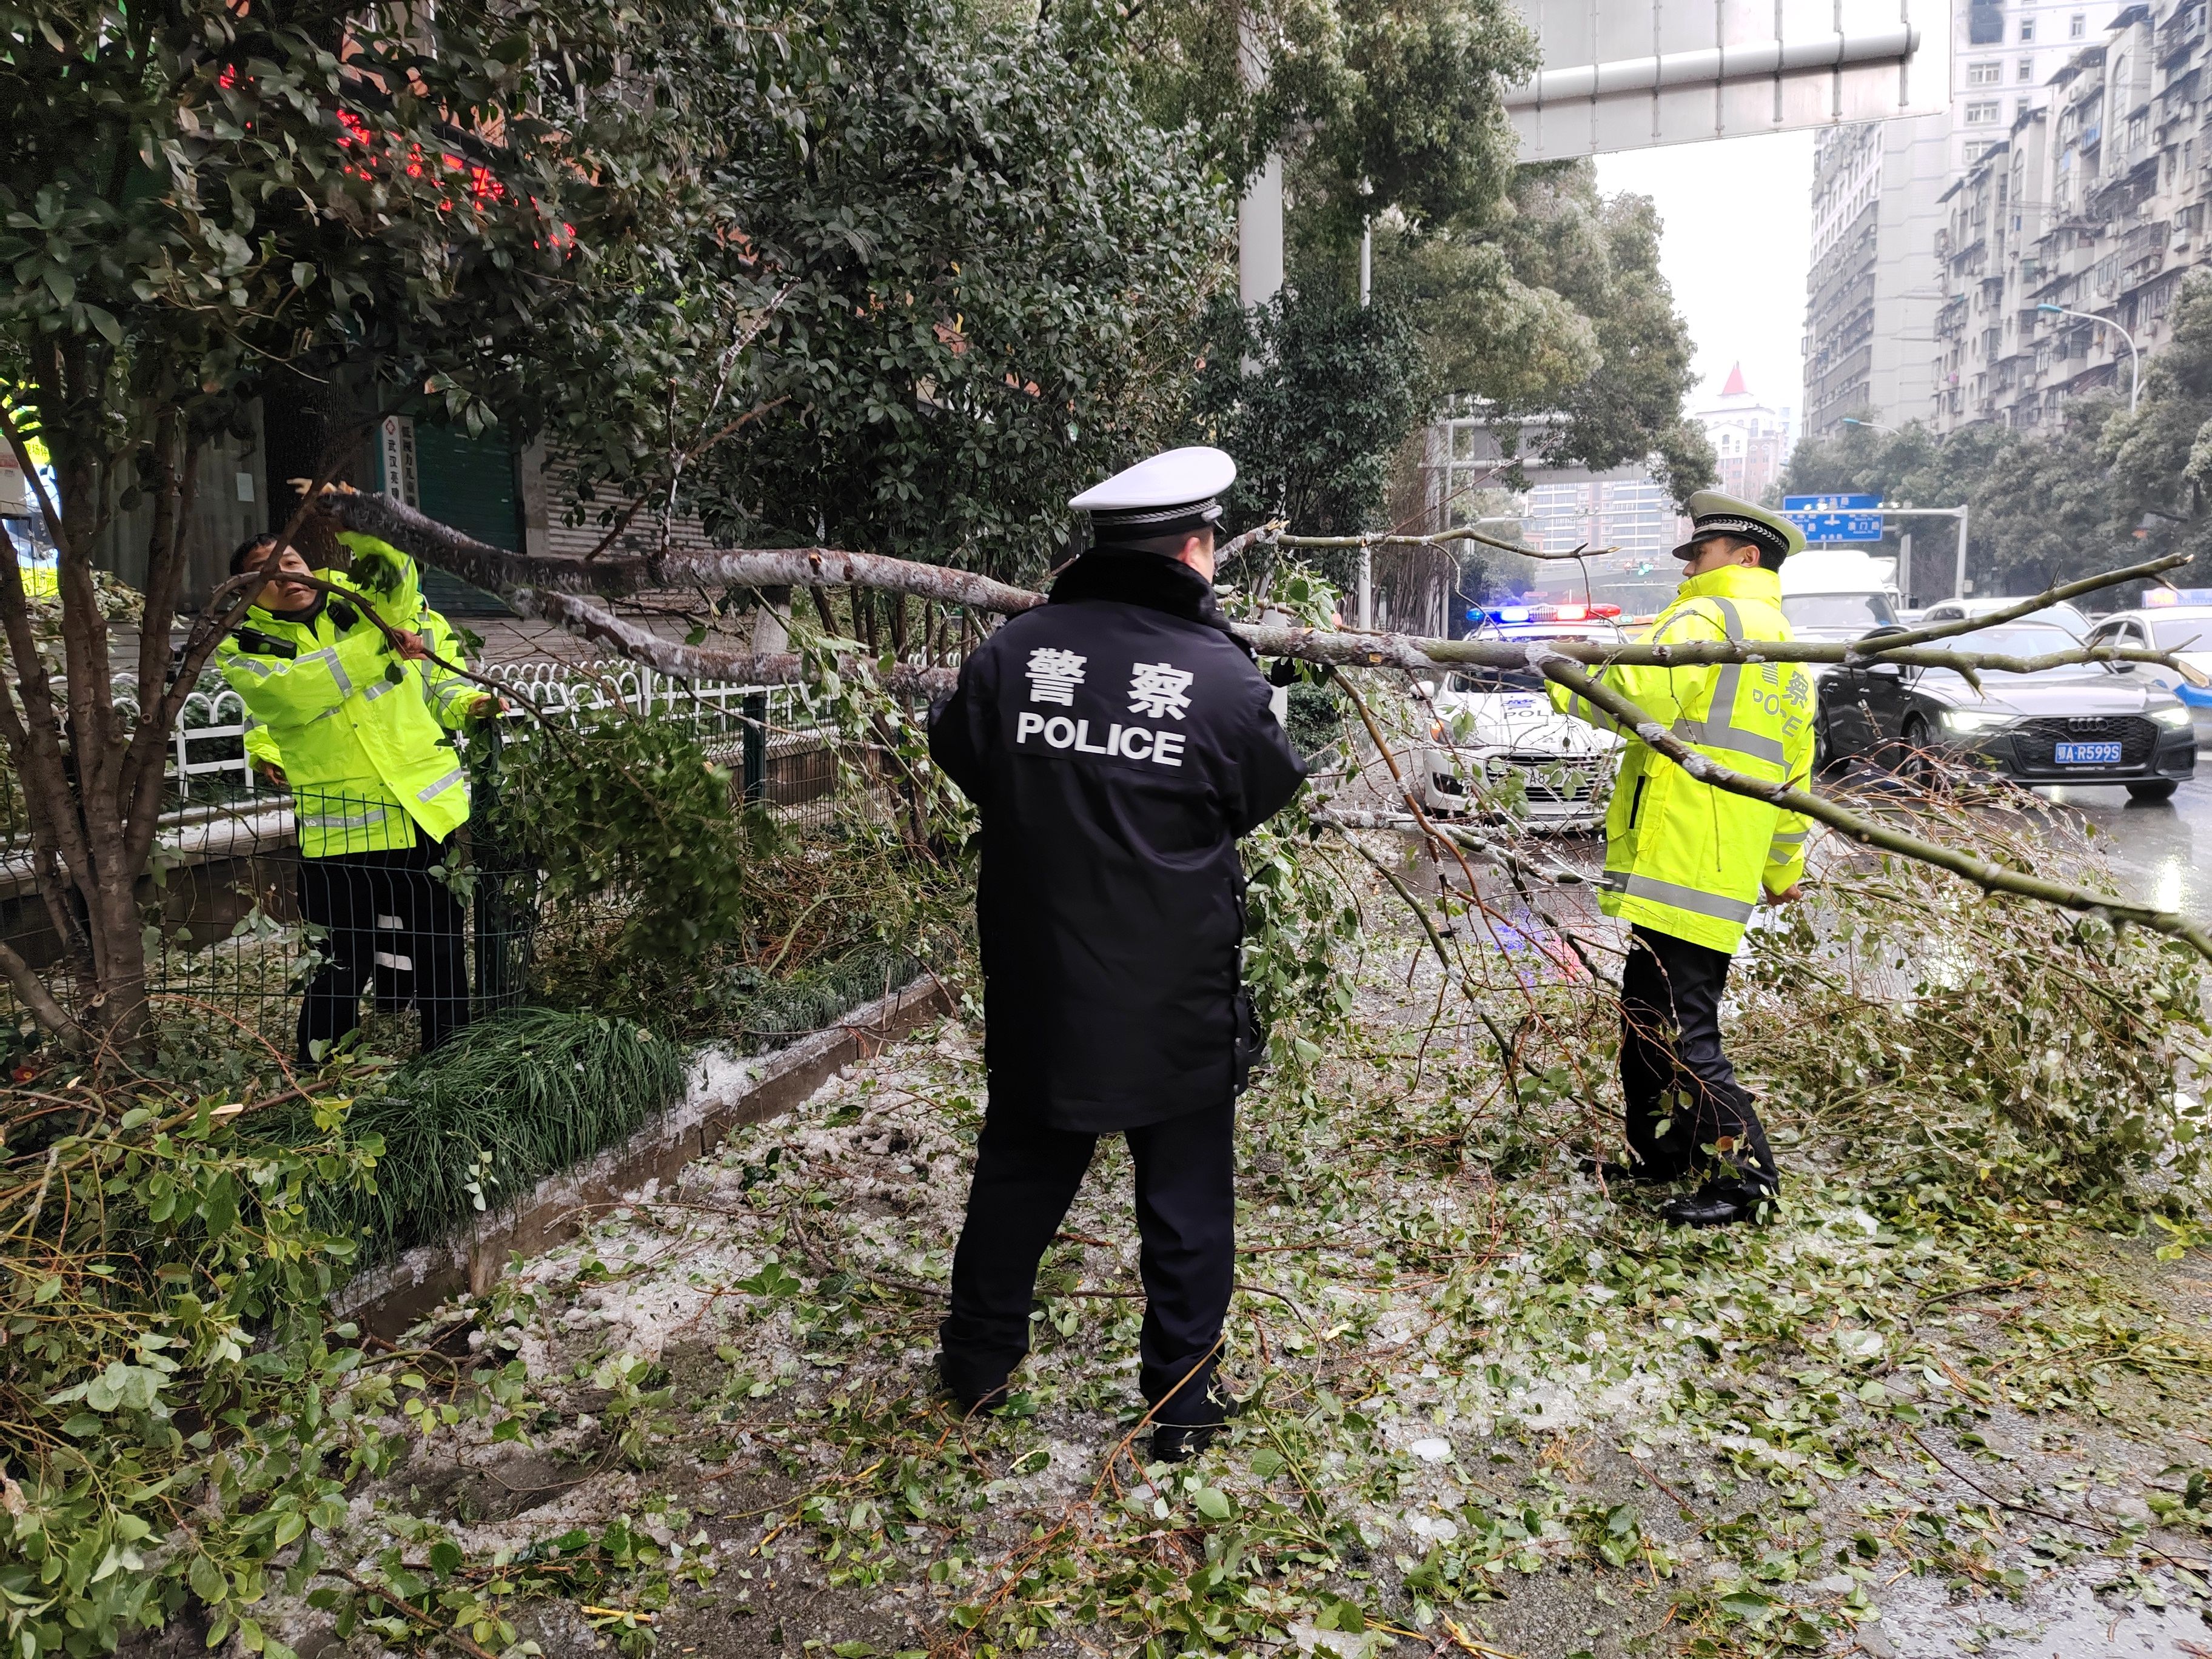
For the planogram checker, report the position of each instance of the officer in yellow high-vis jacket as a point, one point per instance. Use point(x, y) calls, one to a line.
point(1687, 863)
point(359, 726)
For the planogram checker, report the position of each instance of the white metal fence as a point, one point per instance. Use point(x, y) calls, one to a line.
point(207, 756)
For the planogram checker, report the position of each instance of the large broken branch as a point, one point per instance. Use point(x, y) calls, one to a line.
point(557, 595)
point(557, 590)
point(690, 662)
point(502, 572)
point(1885, 643)
point(1870, 831)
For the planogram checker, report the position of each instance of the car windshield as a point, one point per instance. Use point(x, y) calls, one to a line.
point(2012, 640)
point(1491, 682)
point(2183, 632)
point(1854, 612)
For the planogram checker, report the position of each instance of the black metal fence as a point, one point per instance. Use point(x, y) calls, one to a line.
point(256, 939)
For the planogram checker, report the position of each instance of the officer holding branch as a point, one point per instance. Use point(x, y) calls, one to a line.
point(357, 719)
point(1117, 740)
point(1687, 863)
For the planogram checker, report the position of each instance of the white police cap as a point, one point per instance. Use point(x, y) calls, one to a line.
point(1171, 491)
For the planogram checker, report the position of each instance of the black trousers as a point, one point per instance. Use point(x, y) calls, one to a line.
point(389, 904)
point(1673, 1070)
point(1026, 1175)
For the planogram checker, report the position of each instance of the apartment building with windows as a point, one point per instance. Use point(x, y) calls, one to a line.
point(1879, 201)
point(2094, 205)
point(1876, 205)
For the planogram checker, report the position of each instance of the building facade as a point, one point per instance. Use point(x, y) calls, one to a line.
point(1751, 439)
point(1877, 204)
point(2072, 235)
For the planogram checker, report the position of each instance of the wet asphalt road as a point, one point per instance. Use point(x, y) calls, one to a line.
point(2161, 852)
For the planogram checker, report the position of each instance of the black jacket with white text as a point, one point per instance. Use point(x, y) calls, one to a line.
point(1117, 741)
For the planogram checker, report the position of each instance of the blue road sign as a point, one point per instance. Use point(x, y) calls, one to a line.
point(1835, 518)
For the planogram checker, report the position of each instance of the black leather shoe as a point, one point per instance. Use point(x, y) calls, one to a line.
point(1713, 1208)
point(972, 1401)
point(1174, 1444)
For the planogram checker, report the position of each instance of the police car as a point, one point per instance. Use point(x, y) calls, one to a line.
point(2175, 620)
point(1497, 748)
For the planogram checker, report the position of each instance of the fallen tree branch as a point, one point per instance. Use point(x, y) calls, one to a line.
point(548, 583)
point(597, 624)
point(1991, 877)
point(1436, 539)
point(2074, 589)
point(1415, 654)
point(502, 572)
point(1564, 661)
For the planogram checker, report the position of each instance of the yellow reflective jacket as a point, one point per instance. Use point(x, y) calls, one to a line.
point(361, 731)
point(1680, 856)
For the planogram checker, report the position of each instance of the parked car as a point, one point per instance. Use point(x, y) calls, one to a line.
point(2184, 629)
point(2085, 723)
point(2064, 614)
point(1496, 728)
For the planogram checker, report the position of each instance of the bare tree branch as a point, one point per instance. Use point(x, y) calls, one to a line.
point(505, 573)
point(1887, 643)
point(1561, 660)
point(501, 571)
point(32, 990)
point(1872, 832)
point(595, 623)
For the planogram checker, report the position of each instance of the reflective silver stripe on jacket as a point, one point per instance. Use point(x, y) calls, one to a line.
point(1682, 898)
point(376, 691)
point(432, 790)
point(1714, 731)
point(347, 821)
point(329, 654)
point(240, 660)
point(1789, 838)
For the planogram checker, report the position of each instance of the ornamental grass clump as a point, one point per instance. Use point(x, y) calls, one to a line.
point(474, 1125)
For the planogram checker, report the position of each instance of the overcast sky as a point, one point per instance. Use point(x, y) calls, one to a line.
point(1738, 235)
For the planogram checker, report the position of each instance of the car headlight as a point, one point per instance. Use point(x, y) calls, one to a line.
point(2176, 717)
point(1974, 720)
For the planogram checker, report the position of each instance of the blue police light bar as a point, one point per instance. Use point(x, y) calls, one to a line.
point(1826, 518)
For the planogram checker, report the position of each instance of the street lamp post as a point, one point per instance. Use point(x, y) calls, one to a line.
point(1875, 426)
point(2135, 357)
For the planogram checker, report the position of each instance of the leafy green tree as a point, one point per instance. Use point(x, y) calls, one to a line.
point(1601, 255)
point(1554, 305)
point(2161, 454)
point(1310, 392)
point(986, 264)
point(1376, 105)
point(2044, 506)
point(196, 197)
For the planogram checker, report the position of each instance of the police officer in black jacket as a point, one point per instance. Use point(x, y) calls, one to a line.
point(1117, 740)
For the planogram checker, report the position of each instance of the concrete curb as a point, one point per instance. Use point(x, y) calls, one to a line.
point(725, 1092)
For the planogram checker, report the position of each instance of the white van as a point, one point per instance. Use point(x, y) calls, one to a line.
point(1836, 593)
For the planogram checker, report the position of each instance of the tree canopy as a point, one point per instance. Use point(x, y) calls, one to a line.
point(1376, 104)
point(987, 265)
